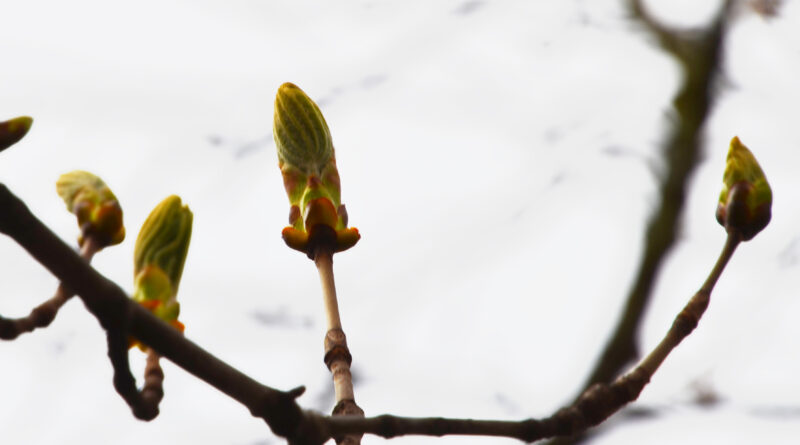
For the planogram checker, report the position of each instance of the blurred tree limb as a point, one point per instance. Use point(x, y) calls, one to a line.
point(699, 55)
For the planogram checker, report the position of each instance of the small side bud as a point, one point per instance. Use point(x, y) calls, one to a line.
point(12, 130)
point(745, 203)
point(159, 257)
point(98, 210)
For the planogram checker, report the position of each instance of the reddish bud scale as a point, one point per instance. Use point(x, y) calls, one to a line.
point(321, 218)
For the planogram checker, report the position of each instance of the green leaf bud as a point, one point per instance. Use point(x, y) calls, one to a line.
point(745, 203)
point(98, 210)
point(158, 260)
point(163, 241)
point(307, 161)
point(300, 131)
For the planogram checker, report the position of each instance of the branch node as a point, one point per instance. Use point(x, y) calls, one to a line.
point(689, 317)
point(336, 349)
point(347, 407)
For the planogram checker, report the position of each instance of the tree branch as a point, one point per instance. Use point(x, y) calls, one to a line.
point(121, 316)
point(112, 308)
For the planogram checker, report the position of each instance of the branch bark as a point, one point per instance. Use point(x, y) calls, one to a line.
point(118, 314)
point(112, 308)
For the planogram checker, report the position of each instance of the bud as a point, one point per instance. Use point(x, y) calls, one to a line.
point(745, 203)
point(98, 210)
point(300, 131)
point(308, 165)
point(12, 130)
point(159, 256)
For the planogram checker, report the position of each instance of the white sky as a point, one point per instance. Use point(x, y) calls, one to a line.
point(496, 157)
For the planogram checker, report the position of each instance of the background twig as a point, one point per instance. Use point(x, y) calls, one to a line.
point(699, 59)
point(699, 55)
point(41, 316)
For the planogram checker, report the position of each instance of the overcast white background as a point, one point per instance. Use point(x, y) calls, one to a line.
point(498, 158)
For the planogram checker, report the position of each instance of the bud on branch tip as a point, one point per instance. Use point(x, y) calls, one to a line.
point(159, 256)
point(98, 210)
point(745, 203)
point(308, 165)
point(12, 130)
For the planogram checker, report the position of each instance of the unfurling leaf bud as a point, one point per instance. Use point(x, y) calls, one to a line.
point(12, 130)
point(164, 239)
point(308, 165)
point(300, 131)
point(159, 256)
point(98, 210)
point(745, 203)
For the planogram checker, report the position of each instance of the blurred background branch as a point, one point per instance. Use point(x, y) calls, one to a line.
point(699, 55)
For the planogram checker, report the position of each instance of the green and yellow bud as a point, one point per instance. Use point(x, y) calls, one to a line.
point(307, 161)
point(745, 203)
point(164, 239)
point(98, 210)
point(300, 131)
point(12, 130)
point(159, 257)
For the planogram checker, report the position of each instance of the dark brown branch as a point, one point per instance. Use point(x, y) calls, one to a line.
point(120, 316)
point(112, 308)
point(41, 316)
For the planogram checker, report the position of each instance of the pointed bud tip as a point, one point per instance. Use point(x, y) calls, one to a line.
point(288, 88)
point(301, 134)
point(164, 239)
point(23, 122)
point(12, 130)
point(745, 203)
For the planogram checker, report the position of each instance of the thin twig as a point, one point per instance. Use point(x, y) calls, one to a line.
point(144, 403)
point(153, 388)
point(43, 315)
point(337, 354)
point(593, 407)
point(324, 262)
